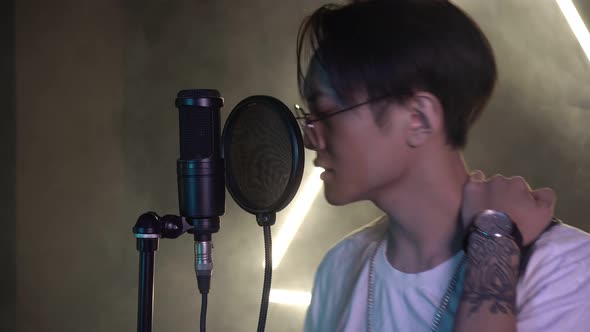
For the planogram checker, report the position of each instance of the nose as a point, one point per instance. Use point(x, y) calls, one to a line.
point(312, 140)
point(308, 141)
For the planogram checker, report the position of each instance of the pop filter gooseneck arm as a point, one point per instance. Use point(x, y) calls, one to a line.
point(264, 157)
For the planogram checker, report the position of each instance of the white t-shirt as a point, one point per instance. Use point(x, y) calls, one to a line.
point(553, 294)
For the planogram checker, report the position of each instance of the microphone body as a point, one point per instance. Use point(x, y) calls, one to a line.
point(200, 172)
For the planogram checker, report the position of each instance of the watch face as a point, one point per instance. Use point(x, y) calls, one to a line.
point(494, 223)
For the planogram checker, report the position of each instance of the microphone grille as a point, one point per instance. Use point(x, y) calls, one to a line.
point(196, 133)
point(199, 121)
point(199, 93)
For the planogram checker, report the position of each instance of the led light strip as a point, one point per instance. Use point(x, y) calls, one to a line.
point(298, 211)
point(575, 21)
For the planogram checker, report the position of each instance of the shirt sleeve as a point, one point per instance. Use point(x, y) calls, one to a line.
point(555, 292)
point(315, 319)
point(311, 318)
point(333, 281)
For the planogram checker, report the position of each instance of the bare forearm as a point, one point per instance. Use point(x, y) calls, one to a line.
point(488, 299)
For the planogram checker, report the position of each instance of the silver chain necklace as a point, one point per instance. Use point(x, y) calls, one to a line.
point(442, 307)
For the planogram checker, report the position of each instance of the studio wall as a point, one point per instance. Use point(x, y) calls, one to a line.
point(97, 143)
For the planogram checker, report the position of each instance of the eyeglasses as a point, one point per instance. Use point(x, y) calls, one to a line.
point(306, 120)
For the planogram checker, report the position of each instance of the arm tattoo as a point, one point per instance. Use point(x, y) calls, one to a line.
point(491, 274)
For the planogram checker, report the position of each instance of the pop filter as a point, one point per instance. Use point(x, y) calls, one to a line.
point(264, 157)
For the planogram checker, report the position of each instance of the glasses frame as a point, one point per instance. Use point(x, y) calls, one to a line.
point(308, 121)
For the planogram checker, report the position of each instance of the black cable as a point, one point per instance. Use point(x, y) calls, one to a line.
point(203, 267)
point(203, 311)
point(267, 278)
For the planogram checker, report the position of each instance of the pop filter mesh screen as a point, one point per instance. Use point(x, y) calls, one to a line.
point(261, 155)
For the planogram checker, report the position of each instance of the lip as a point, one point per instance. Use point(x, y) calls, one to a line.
point(325, 175)
point(320, 164)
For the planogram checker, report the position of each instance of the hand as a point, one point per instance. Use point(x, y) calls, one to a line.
point(530, 210)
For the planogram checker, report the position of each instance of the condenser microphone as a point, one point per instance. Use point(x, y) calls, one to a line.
point(200, 173)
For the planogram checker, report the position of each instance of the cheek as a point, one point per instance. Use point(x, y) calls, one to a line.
point(365, 161)
point(385, 162)
point(352, 177)
point(390, 168)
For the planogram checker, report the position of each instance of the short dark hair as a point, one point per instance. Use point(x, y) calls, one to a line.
point(398, 47)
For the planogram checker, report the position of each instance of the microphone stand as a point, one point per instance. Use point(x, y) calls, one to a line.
point(148, 230)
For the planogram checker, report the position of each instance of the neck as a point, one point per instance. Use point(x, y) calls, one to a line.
point(424, 213)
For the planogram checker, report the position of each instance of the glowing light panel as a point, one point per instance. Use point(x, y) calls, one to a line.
point(283, 296)
point(298, 211)
point(575, 21)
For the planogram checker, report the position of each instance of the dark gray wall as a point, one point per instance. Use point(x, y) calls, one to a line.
point(7, 169)
point(97, 141)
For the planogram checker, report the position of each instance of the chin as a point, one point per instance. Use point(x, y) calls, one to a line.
point(338, 197)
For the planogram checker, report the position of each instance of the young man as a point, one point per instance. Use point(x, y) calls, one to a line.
point(393, 87)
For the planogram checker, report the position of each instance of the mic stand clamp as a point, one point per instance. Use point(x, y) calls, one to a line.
point(148, 230)
point(266, 219)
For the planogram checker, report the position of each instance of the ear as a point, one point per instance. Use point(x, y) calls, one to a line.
point(425, 118)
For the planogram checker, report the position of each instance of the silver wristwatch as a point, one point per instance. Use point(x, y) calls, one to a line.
point(495, 224)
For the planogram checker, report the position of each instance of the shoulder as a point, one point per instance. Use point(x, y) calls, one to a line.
point(353, 246)
point(561, 247)
point(562, 250)
point(337, 275)
point(555, 286)
point(344, 261)
point(565, 243)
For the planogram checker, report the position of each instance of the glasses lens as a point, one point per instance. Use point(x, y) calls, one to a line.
point(308, 131)
point(301, 116)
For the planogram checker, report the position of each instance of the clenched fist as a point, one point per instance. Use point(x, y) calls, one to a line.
point(530, 210)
